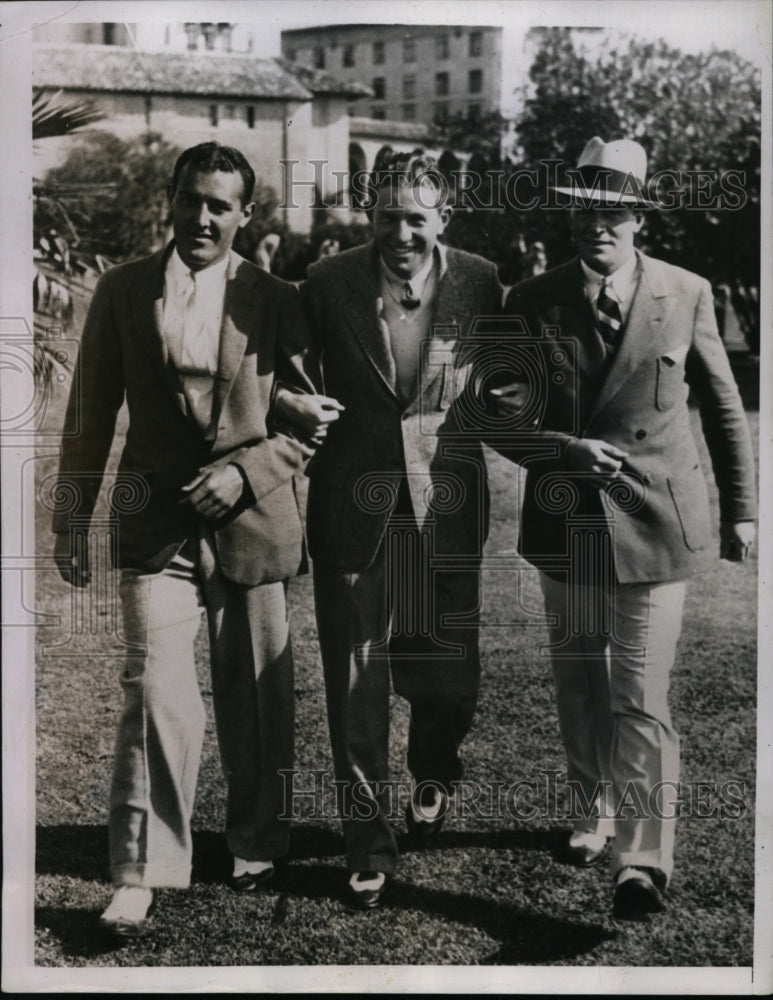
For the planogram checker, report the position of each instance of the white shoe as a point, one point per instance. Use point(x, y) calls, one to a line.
point(127, 914)
point(584, 848)
point(248, 875)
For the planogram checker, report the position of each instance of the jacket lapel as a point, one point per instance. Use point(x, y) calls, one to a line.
point(241, 308)
point(646, 321)
point(362, 308)
point(147, 322)
point(449, 318)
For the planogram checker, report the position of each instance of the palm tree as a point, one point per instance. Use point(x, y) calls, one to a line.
point(50, 118)
point(52, 297)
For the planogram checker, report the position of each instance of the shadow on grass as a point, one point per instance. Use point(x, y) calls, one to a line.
point(525, 937)
point(77, 931)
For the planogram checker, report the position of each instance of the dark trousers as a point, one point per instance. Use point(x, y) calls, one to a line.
point(408, 614)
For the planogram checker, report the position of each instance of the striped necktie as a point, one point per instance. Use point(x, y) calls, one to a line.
point(610, 321)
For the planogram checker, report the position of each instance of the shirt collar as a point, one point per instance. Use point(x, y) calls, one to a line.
point(209, 276)
point(620, 280)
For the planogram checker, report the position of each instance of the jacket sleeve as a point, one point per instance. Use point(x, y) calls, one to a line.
point(96, 395)
point(722, 414)
point(285, 451)
point(514, 436)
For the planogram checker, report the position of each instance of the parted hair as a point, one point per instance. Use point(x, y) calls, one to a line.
point(415, 167)
point(211, 156)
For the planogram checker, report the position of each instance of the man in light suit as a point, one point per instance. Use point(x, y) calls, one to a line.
point(615, 510)
point(193, 338)
point(398, 506)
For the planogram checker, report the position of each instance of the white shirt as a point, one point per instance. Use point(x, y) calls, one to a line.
point(621, 285)
point(192, 331)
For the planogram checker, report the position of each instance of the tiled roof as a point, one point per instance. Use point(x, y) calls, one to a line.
point(378, 128)
point(125, 70)
point(319, 82)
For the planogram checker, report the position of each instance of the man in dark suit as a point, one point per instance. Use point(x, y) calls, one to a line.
point(398, 506)
point(193, 338)
point(615, 511)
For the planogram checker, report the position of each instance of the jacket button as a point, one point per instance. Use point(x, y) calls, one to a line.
point(641, 434)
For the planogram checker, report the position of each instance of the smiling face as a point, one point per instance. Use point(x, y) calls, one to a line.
point(604, 236)
point(406, 225)
point(207, 211)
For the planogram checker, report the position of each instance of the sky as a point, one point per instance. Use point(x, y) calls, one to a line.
point(688, 24)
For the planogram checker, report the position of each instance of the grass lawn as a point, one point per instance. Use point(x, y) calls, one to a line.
point(492, 891)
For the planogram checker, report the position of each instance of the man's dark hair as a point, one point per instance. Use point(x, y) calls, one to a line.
point(211, 156)
point(415, 167)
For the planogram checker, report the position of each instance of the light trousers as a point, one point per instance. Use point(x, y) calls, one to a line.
point(161, 730)
point(612, 648)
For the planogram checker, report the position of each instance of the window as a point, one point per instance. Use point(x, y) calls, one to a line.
point(441, 84)
point(409, 50)
point(441, 47)
point(230, 111)
point(210, 32)
point(348, 56)
point(250, 117)
point(291, 53)
point(409, 112)
point(192, 31)
point(475, 81)
point(378, 53)
point(409, 86)
point(379, 87)
point(377, 111)
point(441, 111)
point(476, 43)
point(148, 109)
point(213, 115)
point(319, 57)
point(473, 110)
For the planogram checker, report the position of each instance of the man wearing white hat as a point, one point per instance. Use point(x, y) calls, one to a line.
point(615, 511)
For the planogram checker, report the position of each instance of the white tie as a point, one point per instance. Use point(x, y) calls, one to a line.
point(196, 349)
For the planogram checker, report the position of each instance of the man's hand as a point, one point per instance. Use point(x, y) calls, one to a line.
point(214, 491)
point(309, 413)
point(593, 456)
point(73, 566)
point(512, 398)
point(736, 539)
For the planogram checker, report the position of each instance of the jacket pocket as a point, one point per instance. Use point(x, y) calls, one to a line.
point(691, 502)
point(670, 386)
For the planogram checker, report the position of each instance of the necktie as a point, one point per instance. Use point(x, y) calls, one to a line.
point(196, 347)
point(409, 301)
point(609, 321)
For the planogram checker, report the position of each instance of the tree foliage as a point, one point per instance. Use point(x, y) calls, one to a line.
point(114, 193)
point(692, 112)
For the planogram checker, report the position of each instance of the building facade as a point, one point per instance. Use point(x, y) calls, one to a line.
point(294, 128)
point(418, 73)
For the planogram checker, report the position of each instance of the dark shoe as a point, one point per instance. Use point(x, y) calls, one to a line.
point(128, 915)
point(250, 881)
point(584, 849)
point(426, 800)
point(636, 895)
point(362, 896)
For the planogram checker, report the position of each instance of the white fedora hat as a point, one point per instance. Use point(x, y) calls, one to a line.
point(609, 173)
